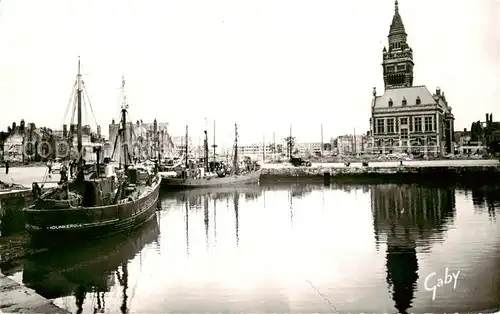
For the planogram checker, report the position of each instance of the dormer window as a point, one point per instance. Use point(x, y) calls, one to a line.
point(403, 102)
point(418, 100)
point(390, 102)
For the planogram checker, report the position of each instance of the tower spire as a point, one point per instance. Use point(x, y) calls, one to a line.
point(398, 58)
point(397, 26)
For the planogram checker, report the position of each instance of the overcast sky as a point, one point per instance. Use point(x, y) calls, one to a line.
point(261, 63)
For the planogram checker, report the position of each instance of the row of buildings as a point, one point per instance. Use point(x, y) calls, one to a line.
point(25, 142)
point(404, 119)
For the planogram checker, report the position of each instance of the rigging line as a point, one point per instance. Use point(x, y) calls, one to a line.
point(88, 99)
point(86, 111)
point(322, 296)
point(75, 100)
point(69, 102)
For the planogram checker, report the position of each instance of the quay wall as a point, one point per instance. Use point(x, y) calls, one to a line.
point(16, 298)
point(440, 170)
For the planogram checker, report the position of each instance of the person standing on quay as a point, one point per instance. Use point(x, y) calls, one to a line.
point(49, 165)
point(6, 166)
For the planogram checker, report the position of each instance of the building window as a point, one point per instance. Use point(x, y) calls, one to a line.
point(404, 121)
point(418, 124)
point(380, 126)
point(404, 101)
point(404, 133)
point(401, 67)
point(428, 124)
point(390, 125)
point(390, 102)
point(390, 69)
point(418, 100)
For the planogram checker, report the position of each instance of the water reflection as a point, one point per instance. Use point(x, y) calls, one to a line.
point(289, 248)
point(194, 198)
point(88, 273)
point(236, 201)
point(486, 196)
point(408, 215)
point(187, 227)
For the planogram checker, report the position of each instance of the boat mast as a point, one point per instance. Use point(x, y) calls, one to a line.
point(235, 159)
point(158, 146)
point(79, 115)
point(214, 146)
point(205, 150)
point(263, 149)
point(186, 148)
point(124, 125)
point(205, 147)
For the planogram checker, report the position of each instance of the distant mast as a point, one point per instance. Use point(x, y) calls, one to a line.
point(205, 148)
point(124, 125)
point(214, 146)
point(186, 148)
point(322, 140)
point(263, 149)
point(235, 159)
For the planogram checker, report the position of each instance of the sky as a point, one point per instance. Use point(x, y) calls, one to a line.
point(263, 64)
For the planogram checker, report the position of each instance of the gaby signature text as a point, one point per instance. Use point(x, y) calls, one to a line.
point(433, 281)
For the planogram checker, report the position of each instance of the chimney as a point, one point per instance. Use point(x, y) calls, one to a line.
point(487, 118)
point(65, 130)
point(438, 91)
point(491, 117)
point(465, 130)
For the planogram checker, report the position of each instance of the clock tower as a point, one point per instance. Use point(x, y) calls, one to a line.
point(398, 58)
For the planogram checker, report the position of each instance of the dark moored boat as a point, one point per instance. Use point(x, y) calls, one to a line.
point(90, 205)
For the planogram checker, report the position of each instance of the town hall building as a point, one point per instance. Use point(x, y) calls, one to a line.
point(408, 118)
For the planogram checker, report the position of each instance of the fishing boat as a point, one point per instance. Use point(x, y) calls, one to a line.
point(92, 205)
point(223, 175)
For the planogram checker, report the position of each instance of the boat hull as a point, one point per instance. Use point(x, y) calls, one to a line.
point(53, 227)
point(179, 183)
point(89, 267)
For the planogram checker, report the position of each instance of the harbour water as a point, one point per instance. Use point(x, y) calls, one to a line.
point(289, 248)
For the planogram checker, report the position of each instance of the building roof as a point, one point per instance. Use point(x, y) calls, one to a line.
point(409, 93)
